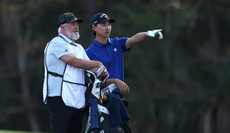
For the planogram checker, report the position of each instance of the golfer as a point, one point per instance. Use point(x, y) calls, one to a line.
point(110, 51)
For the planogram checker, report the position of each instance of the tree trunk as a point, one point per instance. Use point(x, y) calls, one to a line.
point(213, 30)
point(14, 39)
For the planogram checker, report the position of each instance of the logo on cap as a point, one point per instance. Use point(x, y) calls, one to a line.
point(100, 18)
point(104, 15)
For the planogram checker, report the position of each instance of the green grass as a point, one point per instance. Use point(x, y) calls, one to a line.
point(7, 131)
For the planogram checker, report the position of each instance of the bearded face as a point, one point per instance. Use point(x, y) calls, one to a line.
point(73, 35)
point(70, 30)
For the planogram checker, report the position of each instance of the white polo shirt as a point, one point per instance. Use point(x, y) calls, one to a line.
point(67, 86)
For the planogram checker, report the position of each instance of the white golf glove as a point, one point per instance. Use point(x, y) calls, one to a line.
point(152, 33)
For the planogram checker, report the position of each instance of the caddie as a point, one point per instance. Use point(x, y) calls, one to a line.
point(64, 82)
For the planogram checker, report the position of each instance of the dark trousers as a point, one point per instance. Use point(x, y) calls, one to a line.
point(126, 126)
point(63, 119)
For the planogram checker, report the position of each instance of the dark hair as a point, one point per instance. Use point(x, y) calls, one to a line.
point(93, 32)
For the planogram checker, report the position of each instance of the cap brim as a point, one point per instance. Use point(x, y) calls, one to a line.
point(79, 20)
point(110, 20)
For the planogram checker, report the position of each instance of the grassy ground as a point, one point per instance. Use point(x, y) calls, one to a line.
point(7, 131)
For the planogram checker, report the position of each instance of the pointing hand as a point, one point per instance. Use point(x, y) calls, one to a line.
point(152, 33)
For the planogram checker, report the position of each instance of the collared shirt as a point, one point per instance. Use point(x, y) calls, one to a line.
point(73, 93)
point(111, 55)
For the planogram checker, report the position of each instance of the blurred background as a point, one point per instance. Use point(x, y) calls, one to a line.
point(178, 85)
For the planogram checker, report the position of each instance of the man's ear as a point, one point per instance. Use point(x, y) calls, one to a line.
point(61, 26)
point(93, 27)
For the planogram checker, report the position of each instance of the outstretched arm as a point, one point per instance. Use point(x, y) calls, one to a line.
point(141, 36)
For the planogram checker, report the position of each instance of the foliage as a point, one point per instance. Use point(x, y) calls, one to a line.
point(178, 84)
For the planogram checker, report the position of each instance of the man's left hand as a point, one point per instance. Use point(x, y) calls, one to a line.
point(152, 33)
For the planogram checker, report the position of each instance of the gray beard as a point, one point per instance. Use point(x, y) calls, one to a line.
point(72, 35)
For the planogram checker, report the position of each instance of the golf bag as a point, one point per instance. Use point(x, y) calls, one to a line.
point(106, 111)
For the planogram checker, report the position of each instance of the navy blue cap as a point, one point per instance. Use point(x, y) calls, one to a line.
point(101, 18)
point(68, 18)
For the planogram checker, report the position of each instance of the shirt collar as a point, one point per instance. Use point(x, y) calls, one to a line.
point(101, 44)
point(66, 39)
